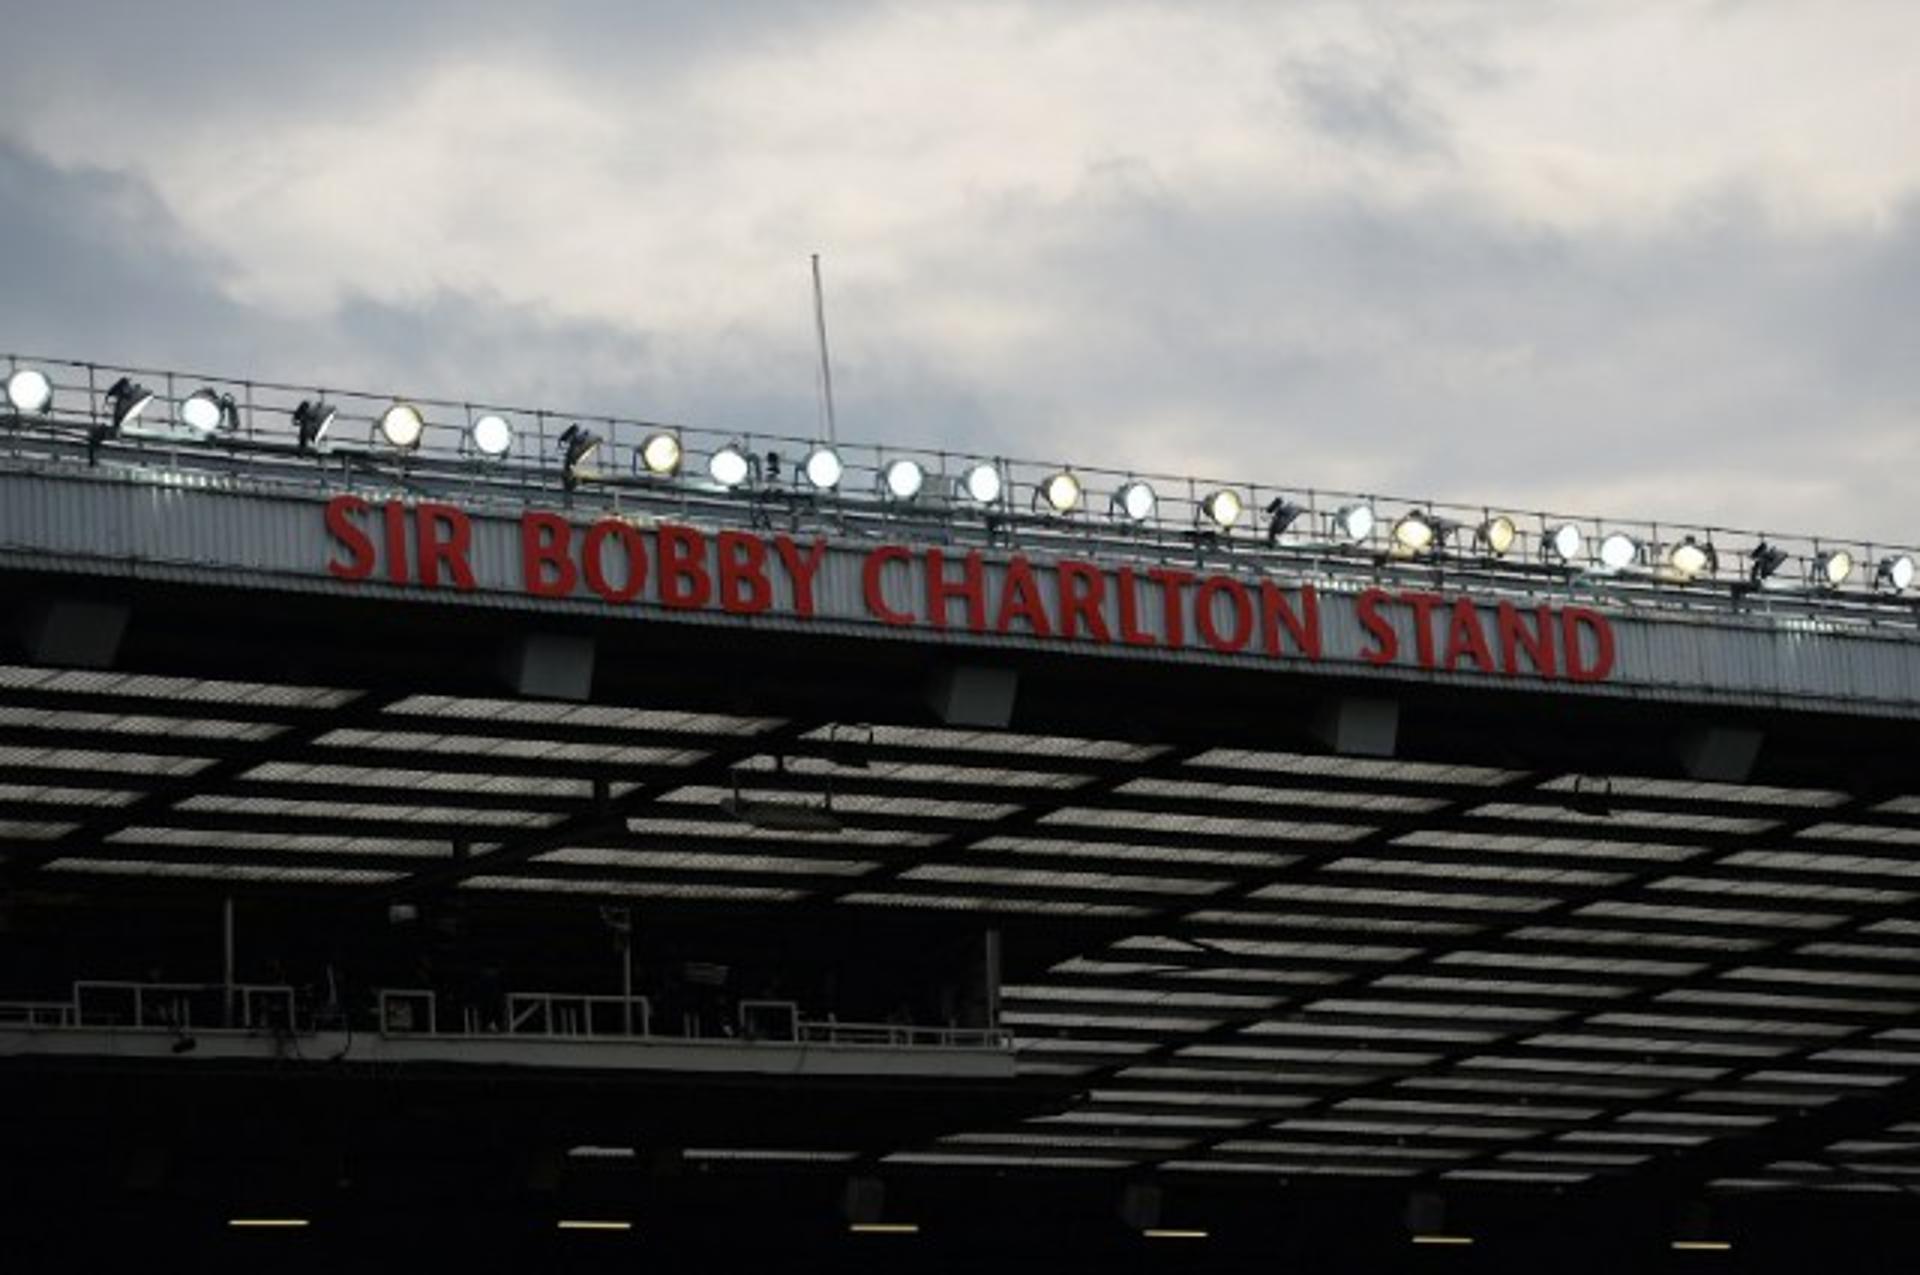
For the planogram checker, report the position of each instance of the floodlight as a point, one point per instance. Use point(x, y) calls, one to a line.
point(1222, 508)
point(127, 399)
point(1619, 550)
point(492, 436)
point(1281, 514)
point(205, 411)
point(1061, 492)
point(402, 426)
point(660, 454)
point(311, 420)
point(1765, 560)
point(1415, 532)
point(1354, 523)
point(730, 466)
point(983, 483)
point(903, 479)
point(1690, 558)
point(1136, 501)
point(1895, 573)
point(1566, 542)
point(29, 390)
point(577, 446)
point(1497, 534)
point(1831, 569)
point(824, 468)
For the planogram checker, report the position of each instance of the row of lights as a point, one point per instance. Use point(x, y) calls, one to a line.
point(207, 411)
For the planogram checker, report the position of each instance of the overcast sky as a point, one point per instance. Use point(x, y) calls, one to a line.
point(1653, 259)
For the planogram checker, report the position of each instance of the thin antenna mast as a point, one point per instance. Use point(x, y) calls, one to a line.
point(826, 364)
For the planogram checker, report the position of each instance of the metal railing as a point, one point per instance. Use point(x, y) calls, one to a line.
point(173, 1006)
point(577, 1014)
point(903, 1035)
point(1288, 531)
point(415, 1011)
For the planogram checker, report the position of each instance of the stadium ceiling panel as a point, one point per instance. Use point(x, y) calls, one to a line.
point(1291, 965)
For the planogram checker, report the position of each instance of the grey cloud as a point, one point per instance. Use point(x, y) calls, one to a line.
point(1730, 371)
point(1361, 102)
point(95, 268)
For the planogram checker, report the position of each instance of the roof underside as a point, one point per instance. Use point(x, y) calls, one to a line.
point(1259, 960)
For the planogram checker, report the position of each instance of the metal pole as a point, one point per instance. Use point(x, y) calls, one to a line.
point(226, 917)
point(826, 364)
point(993, 979)
point(626, 974)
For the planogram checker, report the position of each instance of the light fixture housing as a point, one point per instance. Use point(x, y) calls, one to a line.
point(1415, 532)
point(1618, 551)
point(1690, 558)
point(311, 421)
point(730, 466)
point(982, 483)
point(902, 479)
point(491, 435)
point(824, 468)
point(1222, 508)
point(29, 390)
point(659, 455)
point(126, 400)
point(1497, 535)
point(577, 446)
point(1764, 560)
point(1354, 523)
point(403, 426)
point(1565, 542)
point(1832, 568)
point(207, 411)
point(1895, 573)
point(1061, 492)
point(1135, 501)
point(1281, 514)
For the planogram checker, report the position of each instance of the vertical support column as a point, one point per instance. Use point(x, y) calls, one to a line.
point(226, 926)
point(626, 974)
point(993, 979)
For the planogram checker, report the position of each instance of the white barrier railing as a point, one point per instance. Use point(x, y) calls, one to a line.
point(36, 1013)
point(577, 1014)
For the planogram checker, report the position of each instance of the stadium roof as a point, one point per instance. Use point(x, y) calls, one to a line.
point(1531, 949)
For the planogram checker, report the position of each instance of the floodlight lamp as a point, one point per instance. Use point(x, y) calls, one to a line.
point(660, 454)
point(1222, 508)
point(1765, 560)
point(1497, 534)
point(401, 425)
point(577, 446)
point(823, 468)
point(1061, 492)
point(1135, 501)
point(1415, 533)
point(491, 435)
point(730, 466)
point(29, 390)
point(1690, 558)
point(1619, 551)
point(1354, 523)
point(1895, 573)
point(204, 412)
point(1566, 542)
point(311, 420)
point(1832, 569)
point(903, 479)
point(127, 399)
point(1281, 514)
point(983, 483)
